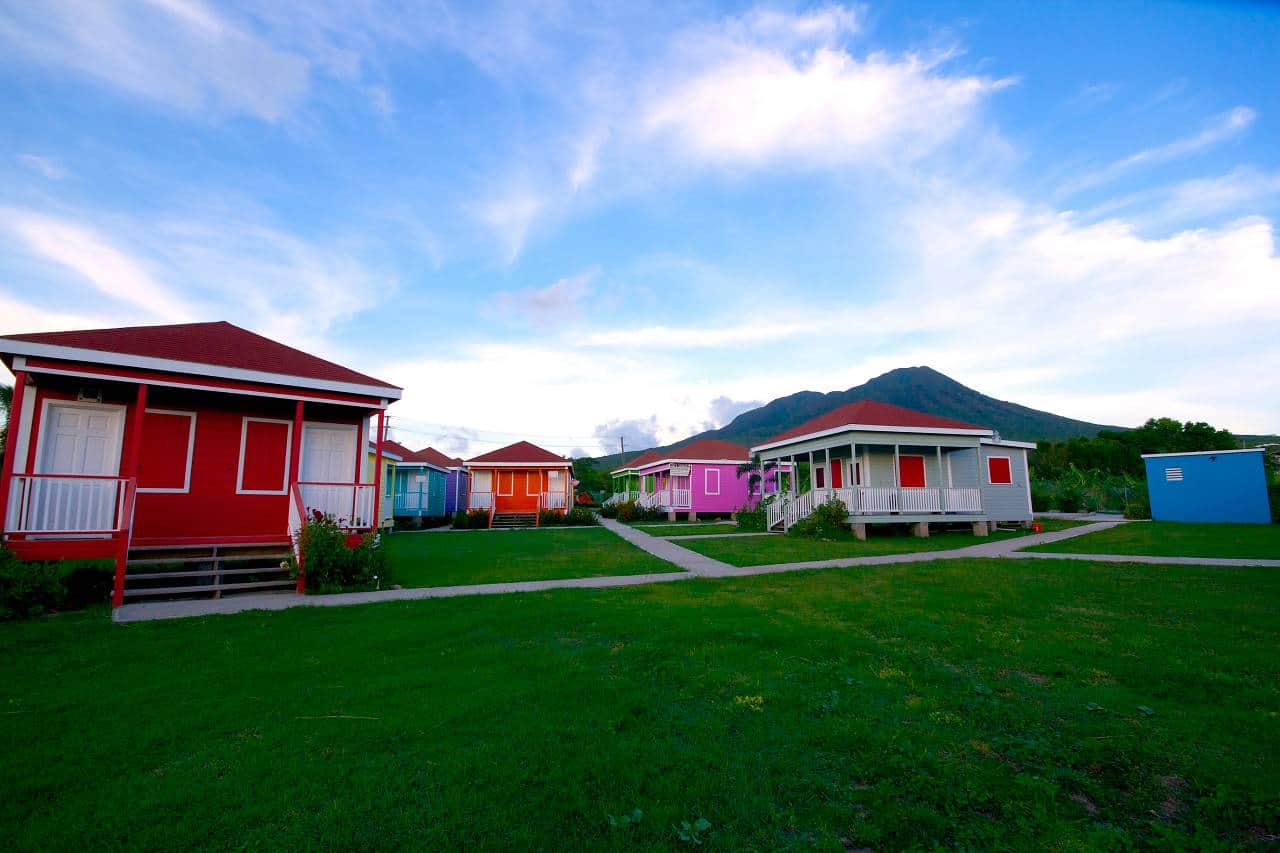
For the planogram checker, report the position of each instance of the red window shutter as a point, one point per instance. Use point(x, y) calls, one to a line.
point(836, 476)
point(911, 472)
point(999, 471)
point(162, 458)
point(265, 458)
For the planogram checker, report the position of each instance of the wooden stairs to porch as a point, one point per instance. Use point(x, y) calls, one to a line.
point(206, 571)
point(509, 520)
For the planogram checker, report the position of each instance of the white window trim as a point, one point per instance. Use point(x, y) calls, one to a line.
point(489, 476)
point(991, 482)
point(121, 425)
point(288, 456)
point(706, 481)
point(510, 483)
point(924, 469)
point(191, 449)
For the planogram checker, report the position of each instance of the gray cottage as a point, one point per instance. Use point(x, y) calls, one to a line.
point(892, 465)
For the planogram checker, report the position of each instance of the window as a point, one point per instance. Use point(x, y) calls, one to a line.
point(264, 456)
point(506, 483)
point(533, 483)
point(911, 471)
point(1173, 475)
point(481, 481)
point(819, 477)
point(999, 471)
point(164, 458)
point(711, 481)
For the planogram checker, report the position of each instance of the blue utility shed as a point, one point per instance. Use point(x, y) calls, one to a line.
point(1211, 485)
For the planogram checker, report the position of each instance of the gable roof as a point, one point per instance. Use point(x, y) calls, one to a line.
point(640, 461)
point(872, 413)
point(228, 349)
point(434, 457)
point(520, 453)
point(390, 446)
point(709, 448)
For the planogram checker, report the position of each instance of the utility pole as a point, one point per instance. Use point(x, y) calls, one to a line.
point(622, 450)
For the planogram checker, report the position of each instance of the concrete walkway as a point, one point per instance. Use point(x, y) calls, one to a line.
point(694, 565)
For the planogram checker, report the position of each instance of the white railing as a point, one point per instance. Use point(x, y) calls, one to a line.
point(297, 515)
point(554, 500)
point(800, 508)
point(661, 499)
point(411, 501)
point(875, 499)
point(480, 500)
point(773, 513)
point(962, 500)
point(848, 497)
point(350, 503)
point(681, 497)
point(921, 500)
point(65, 503)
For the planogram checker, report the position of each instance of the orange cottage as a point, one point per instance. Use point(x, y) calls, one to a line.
point(514, 483)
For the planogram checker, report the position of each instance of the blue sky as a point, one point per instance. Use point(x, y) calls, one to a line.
point(569, 222)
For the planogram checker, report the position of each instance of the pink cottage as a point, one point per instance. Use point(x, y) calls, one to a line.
point(698, 479)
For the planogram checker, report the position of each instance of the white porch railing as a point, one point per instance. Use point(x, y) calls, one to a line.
point(921, 500)
point(480, 500)
point(875, 499)
point(682, 498)
point(554, 500)
point(962, 500)
point(350, 503)
point(65, 503)
point(416, 501)
point(773, 513)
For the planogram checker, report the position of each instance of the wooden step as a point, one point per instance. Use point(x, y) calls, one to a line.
point(198, 573)
point(226, 587)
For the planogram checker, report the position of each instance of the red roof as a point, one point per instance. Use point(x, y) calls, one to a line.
point(433, 457)
point(220, 344)
point(397, 448)
point(522, 452)
point(640, 461)
point(872, 413)
point(709, 448)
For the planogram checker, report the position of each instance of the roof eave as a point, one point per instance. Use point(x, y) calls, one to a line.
point(797, 439)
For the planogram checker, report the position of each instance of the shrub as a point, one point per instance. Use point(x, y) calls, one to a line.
point(550, 518)
point(475, 519)
point(87, 583)
point(1273, 492)
point(332, 566)
point(827, 521)
point(610, 511)
point(579, 516)
point(755, 518)
point(1138, 507)
point(28, 589)
point(1070, 499)
point(1041, 497)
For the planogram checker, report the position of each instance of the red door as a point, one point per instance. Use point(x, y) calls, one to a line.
point(911, 472)
point(836, 476)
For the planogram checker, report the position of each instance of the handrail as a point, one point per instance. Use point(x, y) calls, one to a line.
point(59, 504)
point(297, 517)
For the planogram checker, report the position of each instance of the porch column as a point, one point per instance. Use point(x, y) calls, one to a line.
point(295, 452)
point(854, 482)
point(942, 503)
point(11, 445)
point(792, 486)
point(130, 470)
point(377, 471)
point(826, 474)
point(897, 476)
point(813, 481)
point(362, 452)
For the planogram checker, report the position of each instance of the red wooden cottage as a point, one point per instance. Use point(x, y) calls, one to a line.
point(201, 444)
point(514, 483)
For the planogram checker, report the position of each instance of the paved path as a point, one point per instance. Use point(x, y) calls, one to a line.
point(694, 565)
point(664, 549)
point(144, 611)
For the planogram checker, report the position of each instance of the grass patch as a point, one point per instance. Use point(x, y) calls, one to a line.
point(768, 550)
point(998, 704)
point(686, 530)
point(1175, 539)
point(1053, 525)
point(498, 556)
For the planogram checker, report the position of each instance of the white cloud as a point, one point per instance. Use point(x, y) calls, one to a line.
point(178, 52)
point(81, 250)
point(511, 216)
point(45, 166)
point(723, 410)
point(557, 302)
point(1220, 129)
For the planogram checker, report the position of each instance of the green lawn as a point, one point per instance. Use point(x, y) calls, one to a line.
point(1172, 539)
point(767, 550)
point(687, 530)
point(1000, 704)
point(496, 556)
point(1052, 525)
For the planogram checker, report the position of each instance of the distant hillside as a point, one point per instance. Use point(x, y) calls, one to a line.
point(920, 388)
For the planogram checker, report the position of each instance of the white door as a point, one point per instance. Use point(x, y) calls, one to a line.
point(329, 456)
point(328, 453)
point(82, 439)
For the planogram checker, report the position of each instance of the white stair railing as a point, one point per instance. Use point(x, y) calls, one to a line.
point(773, 513)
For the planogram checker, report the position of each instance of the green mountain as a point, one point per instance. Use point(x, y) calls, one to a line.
point(920, 388)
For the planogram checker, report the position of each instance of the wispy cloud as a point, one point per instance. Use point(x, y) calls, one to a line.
point(178, 52)
point(557, 302)
point(45, 166)
point(1220, 129)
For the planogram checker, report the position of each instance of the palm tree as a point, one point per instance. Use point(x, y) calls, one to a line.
point(755, 473)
